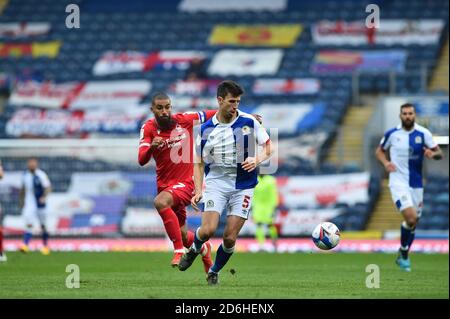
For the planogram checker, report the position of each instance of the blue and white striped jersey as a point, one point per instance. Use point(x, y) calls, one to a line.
point(406, 152)
point(224, 147)
point(34, 185)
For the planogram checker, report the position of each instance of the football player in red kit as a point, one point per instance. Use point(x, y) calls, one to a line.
point(168, 138)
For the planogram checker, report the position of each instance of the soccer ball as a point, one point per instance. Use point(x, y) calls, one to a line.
point(326, 236)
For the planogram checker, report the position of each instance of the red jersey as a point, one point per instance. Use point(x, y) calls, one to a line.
point(174, 158)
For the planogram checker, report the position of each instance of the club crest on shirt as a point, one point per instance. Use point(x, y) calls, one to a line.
point(418, 140)
point(246, 130)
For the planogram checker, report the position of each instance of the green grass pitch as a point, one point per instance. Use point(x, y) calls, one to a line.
point(256, 275)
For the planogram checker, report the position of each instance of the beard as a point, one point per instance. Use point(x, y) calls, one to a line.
point(408, 124)
point(164, 122)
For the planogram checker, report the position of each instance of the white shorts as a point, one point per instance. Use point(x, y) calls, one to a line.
point(32, 214)
point(237, 202)
point(404, 197)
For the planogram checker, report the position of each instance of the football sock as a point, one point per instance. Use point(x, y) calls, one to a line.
point(27, 237)
point(197, 241)
point(189, 240)
point(406, 239)
point(45, 238)
point(172, 227)
point(273, 232)
point(222, 256)
point(260, 234)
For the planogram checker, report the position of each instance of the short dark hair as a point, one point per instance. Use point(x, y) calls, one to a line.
point(159, 96)
point(231, 87)
point(407, 105)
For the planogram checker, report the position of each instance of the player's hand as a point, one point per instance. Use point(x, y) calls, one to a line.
point(42, 200)
point(249, 164)
point(258, 118)
point(157, 142)
point(428, 153)
point(195, 200)
point(390, 167)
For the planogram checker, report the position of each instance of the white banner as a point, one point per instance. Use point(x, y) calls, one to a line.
point(11, 180)
point(104, 183)
point(111, 94)
point(390, 32)
point(246, 62)
point(120, 62)
point(286, 86)
point(305, 147)
point(48, 95)
point(324, 190)
point(142, 221)
point(27, 29)
point(182, 103)
point(232, 5)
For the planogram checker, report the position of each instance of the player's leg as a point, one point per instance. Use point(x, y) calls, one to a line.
point(273, 233)
point(210, 221)
point(260, 234)
point(28, 216)
point(215, 200)
point(188, 239)
point(411, 216)
point(226, 249)
point(163, 203)
point(239, 208)
point(45, 236)
point(404, 203)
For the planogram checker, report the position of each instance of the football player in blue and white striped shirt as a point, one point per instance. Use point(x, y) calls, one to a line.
point(407, 145)
point(36, 187)
point(229, 156)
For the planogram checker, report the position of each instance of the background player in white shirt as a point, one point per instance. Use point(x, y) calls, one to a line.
point(407, 144)
point(35, 188)
point(228, 148)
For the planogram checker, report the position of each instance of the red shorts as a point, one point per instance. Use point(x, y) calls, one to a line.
point(182, 193)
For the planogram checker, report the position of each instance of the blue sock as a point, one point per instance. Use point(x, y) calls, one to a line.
point(27, 237)
point(45, 238)
point(197, 241)
point(406, 239)
point(222, 256)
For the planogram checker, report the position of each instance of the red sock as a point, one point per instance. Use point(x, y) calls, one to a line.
point(190, 239)
point(172, 227)
point(1, 240)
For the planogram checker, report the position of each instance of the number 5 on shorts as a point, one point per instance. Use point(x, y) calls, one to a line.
point(246, 202)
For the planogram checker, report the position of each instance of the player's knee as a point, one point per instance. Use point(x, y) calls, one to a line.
point(229, 241)
point(411, 222)
point(207, 232)
point(160, 203)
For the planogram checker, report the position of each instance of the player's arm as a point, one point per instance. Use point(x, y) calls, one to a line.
point(47, 188)
point(1, 171)
point(381, 156)
point(147, 145)
point(433, 153)
point(21, 196)
point(199, 171)
point(262, 138)
point(251, 163)
point(431, 148)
